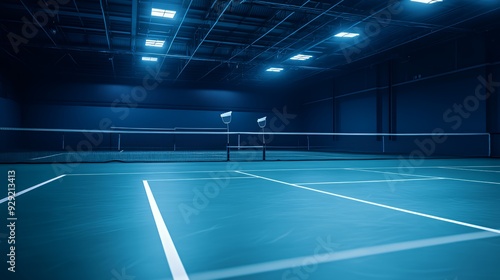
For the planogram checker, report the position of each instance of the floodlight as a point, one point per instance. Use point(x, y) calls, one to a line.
point(226, 117)
point(262, 122)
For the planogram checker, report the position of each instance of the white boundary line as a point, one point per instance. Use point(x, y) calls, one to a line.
point(377, 204)
point(371, 181)
point(173, 259)
point(48, 156)
point(468, 169)
point(197, 179)
point(277, 169)
point(426, 176)
point(339, 256)
point(32, 188)
point(142, 173)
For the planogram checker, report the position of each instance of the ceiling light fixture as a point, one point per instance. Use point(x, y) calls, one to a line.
point(163, 13)
point(301, 57)
point(346, 35)
point(154, 43)
point(274, 69)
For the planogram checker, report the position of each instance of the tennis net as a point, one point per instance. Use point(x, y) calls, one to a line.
point(37, 145)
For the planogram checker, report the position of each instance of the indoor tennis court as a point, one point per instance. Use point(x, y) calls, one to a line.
point(249, 139)
point(241, 220)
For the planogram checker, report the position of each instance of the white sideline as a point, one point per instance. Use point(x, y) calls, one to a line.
point(48, 156)
point(32, 188)
point(425, 176)
point(370, 181)
point(468, 169)
point(378, 204)
point(197, 179)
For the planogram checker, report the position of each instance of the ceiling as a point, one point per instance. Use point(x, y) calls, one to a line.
point(224, 41)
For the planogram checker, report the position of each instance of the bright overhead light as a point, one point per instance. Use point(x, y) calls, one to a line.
point(162, 13)
point(346, 35)
point(427, 1)
point(274, 69)
point(154, 43)
point(148, 58)
point(301, 57)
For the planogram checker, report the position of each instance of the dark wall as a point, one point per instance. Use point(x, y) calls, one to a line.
point(417, 92)
point(9, 109)
point(493, 107)
point(83, 105)
point(446, 102)
point(10, 114)
point(102, 106)
point(163, 96)
point(316, 114)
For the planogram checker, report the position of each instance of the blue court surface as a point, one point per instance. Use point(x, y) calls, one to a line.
point(371, 219)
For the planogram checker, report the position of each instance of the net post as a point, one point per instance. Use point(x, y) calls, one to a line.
point(308, 147)
point(227, 144)
point(63, 141)
point(262, 124)
point(263, 145)
point(119, 141)
point(383, 144)
point(264, 152)
point(239, 141)
point(489, 144)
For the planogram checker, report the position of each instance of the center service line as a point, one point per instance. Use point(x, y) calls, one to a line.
point(173, 259)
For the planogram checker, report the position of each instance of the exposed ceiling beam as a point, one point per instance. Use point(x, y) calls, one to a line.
point(206, 35)
point(105, 25)
point(116, 52)
point(255, 41)
point(38, 23)
point(135, 12)
point(173, 39)
point(351, 16)
point(295, 31)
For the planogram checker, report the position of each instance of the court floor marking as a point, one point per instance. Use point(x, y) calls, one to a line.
point(338, 256)
point(343, 168)
point(199, 179)
point(276, 169)
point(445, 178)
point(48, 156)
point(144, 173)
point(376, 204)
point(32, 188)
point(393, 173)
point(468, 169)
point(173, 259)
point(370, 181)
